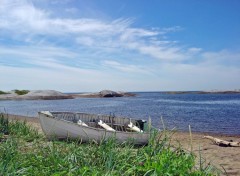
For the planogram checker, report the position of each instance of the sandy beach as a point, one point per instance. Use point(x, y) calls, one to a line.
point(221, 157)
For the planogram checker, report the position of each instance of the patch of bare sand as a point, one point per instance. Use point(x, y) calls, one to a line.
point(226, 157)
point(222, 157)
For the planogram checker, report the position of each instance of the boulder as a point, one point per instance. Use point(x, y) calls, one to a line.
point(36, 95)
point(103, 94)
point(110, 93)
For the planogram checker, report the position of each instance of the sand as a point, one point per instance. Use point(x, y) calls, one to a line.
point(221, 157)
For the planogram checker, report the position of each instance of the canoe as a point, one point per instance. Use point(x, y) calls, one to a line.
point(92, 127)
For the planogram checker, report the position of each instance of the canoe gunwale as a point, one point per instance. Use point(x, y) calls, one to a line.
point(89, 127)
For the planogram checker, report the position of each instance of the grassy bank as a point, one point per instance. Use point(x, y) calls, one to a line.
point(23, 151)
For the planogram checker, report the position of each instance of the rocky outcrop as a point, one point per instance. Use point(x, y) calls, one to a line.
point(104, 94)
point(55, 95)
point(109, 93)
point(36, 95)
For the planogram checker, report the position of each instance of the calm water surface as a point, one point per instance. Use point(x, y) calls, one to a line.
point(218, 113)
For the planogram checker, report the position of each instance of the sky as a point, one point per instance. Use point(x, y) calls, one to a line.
point(127, 45)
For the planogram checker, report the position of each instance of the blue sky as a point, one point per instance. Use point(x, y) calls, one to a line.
point(90, 45)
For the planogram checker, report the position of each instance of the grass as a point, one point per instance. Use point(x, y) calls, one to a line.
point(26, 152)
point(21, 92)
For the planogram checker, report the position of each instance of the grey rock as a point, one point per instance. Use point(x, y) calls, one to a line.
point(103, 94)
point(110, 93)
point(36, 95)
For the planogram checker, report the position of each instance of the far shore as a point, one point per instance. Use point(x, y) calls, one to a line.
point(204, 92)
point(56, 95)
point(227, 157)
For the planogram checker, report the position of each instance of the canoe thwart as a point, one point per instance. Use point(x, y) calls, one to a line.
point(134, 128)
point(105, 126)
point(81, 123)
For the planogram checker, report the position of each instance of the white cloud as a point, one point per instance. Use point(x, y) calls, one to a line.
point(88, 41)
point(71, 54)
point(163, 53)
point(223, 57)
point(29, 20)
point(173, 29)
point(54, 75)
point(66, 79)
point(71, 10)
point(196, 77)
point(195, 50)
point(35, 52)
point(125, 67)
point(63, 78)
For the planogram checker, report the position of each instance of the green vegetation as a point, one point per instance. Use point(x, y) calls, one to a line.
point(2, 92)
point(21, 92)
point(25, 152)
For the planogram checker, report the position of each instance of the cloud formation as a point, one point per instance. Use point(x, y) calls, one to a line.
point(96, 52)
point(33, 22)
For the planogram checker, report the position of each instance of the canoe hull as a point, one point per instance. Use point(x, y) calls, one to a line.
point(57, 128)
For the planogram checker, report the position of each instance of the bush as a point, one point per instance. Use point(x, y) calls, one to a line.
point(2, 92)
point(21, 92)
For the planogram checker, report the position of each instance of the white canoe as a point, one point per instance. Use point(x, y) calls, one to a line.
point(89, 127)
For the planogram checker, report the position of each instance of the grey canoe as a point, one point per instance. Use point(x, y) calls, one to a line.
point(92, 127)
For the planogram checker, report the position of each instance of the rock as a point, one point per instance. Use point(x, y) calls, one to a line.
point(104, 94)
point(44, 93)
point(109, 93)
point(36, 95)
point(55, 95)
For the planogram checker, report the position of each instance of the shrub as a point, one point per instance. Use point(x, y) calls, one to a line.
point(2, 92)
point(21, 92)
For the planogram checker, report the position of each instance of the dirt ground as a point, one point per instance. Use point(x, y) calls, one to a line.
point(221, 157)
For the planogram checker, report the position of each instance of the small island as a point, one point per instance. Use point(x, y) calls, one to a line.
point(56, 95)
point(104, 94)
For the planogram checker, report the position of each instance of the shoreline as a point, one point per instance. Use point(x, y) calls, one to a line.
point(227, 157)
point(35, 119)
point(56, 95)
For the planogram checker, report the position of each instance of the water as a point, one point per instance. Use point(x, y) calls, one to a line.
point(217, 113)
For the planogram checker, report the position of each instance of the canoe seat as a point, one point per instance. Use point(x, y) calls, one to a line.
point(81, 123)
point(134, 128)
point(47, 113)
point(105, 126)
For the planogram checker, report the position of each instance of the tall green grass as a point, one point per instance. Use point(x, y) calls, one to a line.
point(18, 129)
point(25, 152)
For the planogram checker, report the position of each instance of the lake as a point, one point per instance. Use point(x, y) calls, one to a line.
point(217, 113)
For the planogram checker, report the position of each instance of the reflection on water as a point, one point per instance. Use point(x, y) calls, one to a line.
point(219, 113)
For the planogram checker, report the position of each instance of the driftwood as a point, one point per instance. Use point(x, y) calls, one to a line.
point(223, 143)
